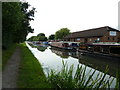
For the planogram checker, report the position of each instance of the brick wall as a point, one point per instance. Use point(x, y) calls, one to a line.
point(92, 39)
point(105, 38)
point(108, 38)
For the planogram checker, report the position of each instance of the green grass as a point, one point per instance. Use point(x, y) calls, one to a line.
point(6, 54)
point(31, 73)
point(65, 78)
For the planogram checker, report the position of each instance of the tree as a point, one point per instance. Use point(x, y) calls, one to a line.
point(39, 37)
point(41, 34)
point(33, 38)
point(28, 16)
point(11, 20)
point(42, 38)
point(15, 22)
point(60, 34)
point(52, 37)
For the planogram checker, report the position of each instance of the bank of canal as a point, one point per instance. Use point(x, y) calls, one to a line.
point(31, 74)
point(51, 58)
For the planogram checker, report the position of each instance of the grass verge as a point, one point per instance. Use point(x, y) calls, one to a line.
point(31, 73)
point(6, 54)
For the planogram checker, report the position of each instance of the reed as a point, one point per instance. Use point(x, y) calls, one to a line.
point(79, 79)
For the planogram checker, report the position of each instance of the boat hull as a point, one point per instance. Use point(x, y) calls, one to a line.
point(64, 48)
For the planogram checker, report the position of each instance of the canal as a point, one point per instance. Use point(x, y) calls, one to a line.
point(51, 58)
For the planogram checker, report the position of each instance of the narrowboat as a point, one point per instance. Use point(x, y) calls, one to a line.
point(64, 45)
point(109, 50)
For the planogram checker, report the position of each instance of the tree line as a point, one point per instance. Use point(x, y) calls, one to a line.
point(16, 17)
point(59, 35)
point(16, 22)
point(39, 37)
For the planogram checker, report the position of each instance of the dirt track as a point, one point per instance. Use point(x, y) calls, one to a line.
point(10, 73)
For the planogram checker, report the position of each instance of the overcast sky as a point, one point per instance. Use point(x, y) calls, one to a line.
point(77, 15)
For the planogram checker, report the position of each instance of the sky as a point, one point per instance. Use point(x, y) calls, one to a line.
point(76, 15)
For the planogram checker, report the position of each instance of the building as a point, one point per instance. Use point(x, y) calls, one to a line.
point(102, 34)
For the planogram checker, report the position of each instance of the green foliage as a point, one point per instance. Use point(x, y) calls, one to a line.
point(39, 37)
point(15, 22)
point(60, 34)
point(52, 37)
point(32, 38)
point(118, 80)
point(81, 79)
point(31, 73)
point(40, 48)
point(41, 34)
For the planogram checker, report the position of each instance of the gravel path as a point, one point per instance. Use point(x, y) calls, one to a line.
point(10, 73)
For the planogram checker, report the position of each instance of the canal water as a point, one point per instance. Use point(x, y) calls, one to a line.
point(51, 58)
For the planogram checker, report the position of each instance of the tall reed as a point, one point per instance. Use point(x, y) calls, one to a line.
point(80, 79)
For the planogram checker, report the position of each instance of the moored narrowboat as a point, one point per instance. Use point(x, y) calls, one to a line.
point(106, 49)
point(63, 45)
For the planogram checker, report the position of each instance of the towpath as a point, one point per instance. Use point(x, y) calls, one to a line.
point(10, 73)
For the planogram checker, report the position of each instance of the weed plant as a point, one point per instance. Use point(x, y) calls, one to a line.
point(67, 79)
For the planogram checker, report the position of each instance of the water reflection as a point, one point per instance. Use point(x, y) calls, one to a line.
point(41, 48)
point(60, 53)
point(92, 61)
point(100, 63)
point(51, 58)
